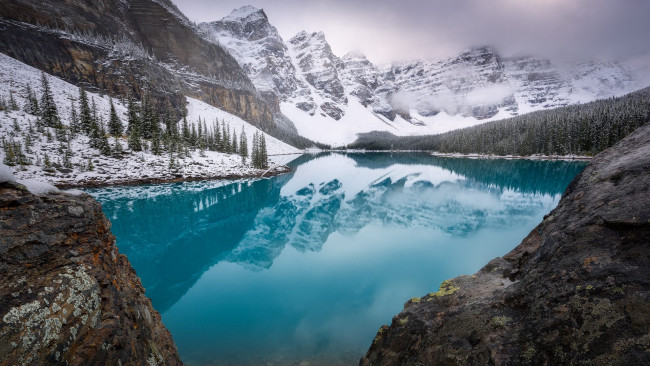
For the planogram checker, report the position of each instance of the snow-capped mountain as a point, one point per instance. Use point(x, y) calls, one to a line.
point(318, 65)
point(261, 52)
point(331, 99)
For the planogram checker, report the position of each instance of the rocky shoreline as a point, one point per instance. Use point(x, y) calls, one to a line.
point(67, 296)
point(575, 291)
point(97, 183)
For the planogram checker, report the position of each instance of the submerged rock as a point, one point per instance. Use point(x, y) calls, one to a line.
point(576, 290)
point(66, 294)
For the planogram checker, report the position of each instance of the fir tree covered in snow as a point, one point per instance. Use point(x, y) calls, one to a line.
point(85, 116)
point(115, 126)
point(31, 102)
point(48, 109)
point(243, 146)
point(259, 156)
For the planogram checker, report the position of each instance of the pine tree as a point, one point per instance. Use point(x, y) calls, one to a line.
point(193, 137)
point(263, 154)
point(255, 155)
point(12, 102)
point(155, 143)
point(217, 137)
point(74, 120)
point(95, 130)
point(115, 126)
point(243, 146)
point(172, 163)
point(67, 161)
point(10, 155)
point(104, 146)
point(149, 119)
point(85, 116)
point(28, 143)
point(225, 138)
point(133, 122)
point(117, 149)
point(48, 109)
point(134, 142)
point(199, 137)
point(235, 143)
point(186, 131)
point(31, 103)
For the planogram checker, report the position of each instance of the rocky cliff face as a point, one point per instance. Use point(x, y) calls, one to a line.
point(575, 291)
point(128, 47)
point(247, 34)
point(67, 295)
point(456, 85)
point(319, 67)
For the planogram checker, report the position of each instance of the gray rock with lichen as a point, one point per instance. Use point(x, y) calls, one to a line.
point(66, 295)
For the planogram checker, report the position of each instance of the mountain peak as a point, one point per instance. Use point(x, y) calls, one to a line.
point(354, 55)
point(245, 12)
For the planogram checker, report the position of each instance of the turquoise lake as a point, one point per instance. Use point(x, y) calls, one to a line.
point(303, 268)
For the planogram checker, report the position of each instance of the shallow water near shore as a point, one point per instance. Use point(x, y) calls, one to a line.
point(304, 268)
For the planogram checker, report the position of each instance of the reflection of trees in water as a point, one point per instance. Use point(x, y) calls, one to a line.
point(521, 175)
point(174, 237)
point(526, 176)
point(173, 233)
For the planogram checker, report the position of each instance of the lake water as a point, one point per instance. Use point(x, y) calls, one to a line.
point(305, 267)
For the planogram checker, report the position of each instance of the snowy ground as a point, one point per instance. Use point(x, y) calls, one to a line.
point(128, 166)
point(359, 119)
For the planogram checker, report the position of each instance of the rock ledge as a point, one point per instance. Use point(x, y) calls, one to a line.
point(66, 294)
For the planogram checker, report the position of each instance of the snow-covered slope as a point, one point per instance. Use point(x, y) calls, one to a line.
point(321, 93)
point(197, 109)
point(19, 127)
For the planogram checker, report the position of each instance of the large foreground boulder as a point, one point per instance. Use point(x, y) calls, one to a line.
point(575, 291)
point(66, 294)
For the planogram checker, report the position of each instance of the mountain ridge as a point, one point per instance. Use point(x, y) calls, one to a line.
point(477, 85)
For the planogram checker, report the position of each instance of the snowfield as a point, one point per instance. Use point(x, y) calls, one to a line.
point(127, 167)
point(359, 119)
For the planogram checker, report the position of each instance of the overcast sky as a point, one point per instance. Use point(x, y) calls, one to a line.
point(398, 30)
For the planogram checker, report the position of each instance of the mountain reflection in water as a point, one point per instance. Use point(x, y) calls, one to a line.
point(322, 256)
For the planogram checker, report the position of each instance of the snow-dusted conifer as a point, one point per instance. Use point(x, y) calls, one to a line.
point(133, 122)
point(115, 126)
point(235, 143)
point(12, 102)
point(31, 103)
point(48, 109)
point(243, 146)
point(85, 116)
point(75, 126)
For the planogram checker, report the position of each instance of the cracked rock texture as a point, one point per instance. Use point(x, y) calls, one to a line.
point(66, 294)
point(575, 291)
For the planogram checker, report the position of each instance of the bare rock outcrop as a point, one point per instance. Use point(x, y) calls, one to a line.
point(575, 291)
point(67, 296)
